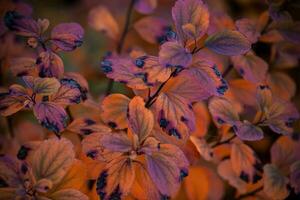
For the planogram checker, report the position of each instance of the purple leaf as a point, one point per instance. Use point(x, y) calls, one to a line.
point(21, 25)
point(145, 6)
point(174, 54)
point(229, 43)
point(67, 36)
point(51, 116)
point(247, 131)
point(191, 18)
point(50, 65)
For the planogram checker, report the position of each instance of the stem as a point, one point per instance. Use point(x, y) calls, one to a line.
point(250, 193)
point(10, 126)
point(121, 42)
point(151, 99)
point(223, 142)
point(228, 69)
point(69, 114)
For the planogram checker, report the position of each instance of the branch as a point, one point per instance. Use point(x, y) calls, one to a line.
point(224, 142)
point(121, 42)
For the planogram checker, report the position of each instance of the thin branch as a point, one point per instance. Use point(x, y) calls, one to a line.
point(226, 72)
point(69, 114)
point(121, 42)
point(10, 126)
point(152, 98)
point(224, 142)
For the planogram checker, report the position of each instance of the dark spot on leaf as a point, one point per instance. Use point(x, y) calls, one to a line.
point(244, 177)
point(112, 124)
point(183, 173)
point(89, 122)
point(163, 123)
point(92, 154)
point(174, 132)
point(22, 153)
point(86, 131)
point(106, 66)
point(116, 194)
point(24, 168)
point(90, 184)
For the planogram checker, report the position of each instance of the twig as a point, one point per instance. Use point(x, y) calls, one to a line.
point(226, 72)
point(69, 114)
point(151, 99)
point(121, 42)
point(10, 126)
point(223, 142)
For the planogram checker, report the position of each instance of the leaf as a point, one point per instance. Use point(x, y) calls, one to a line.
point(164, 172)
point(141, 73)
point(74, 178)
point(226, 172)
point(229, 43)
point(45, 86)
point(68, 194)
point(187, 86)
point(143, 187)
point(275, 184)
point(140, 119)
point(86, 126)
point(203, 183)
point(190, 15)
point(223, 111)
point(117, 142)
point(203, 119)
point(51, 116)
point(248, 27)
point(174, 115)
point(70, 92)
point(20, 24)
point(145, 6)
point(10, 171)
point(14, 100)
point(247, 131)
point(280, 115)
point(294, 176)
point(264, 98)
point(243, 91)
point(281, 85)
point(203, 148)
point(153, 29)
point(284, 153)
point(289, 30)
point(50, 65)
point(92, 147)
point(67, 36)
point(53, 159)
point(251, 67)
point(174, 54)
point(208, 76)
point(244, 162)
point(23, 66)
point(101, 19)
point(117, 179)
point(115, 108)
